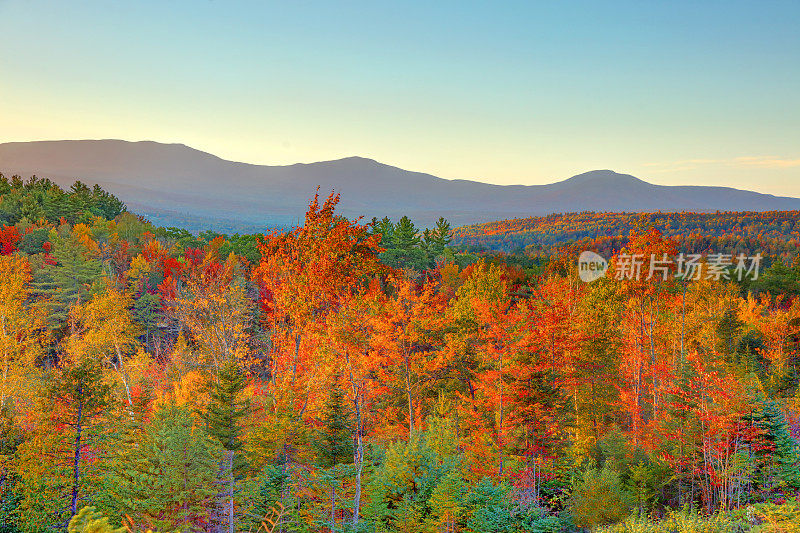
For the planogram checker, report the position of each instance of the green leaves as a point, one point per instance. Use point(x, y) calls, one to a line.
point(408, 248)
point(336, 436)
point(42, 199)
point(226, 406)
point(69, 281)
point(782, 450)
point(167, 479)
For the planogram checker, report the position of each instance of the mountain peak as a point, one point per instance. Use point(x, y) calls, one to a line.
point(603, 177)
point(354, 160)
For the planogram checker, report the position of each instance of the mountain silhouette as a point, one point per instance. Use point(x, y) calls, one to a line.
point(173, 184)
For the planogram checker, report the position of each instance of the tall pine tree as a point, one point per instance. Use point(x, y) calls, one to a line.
point(226, 408)
point(336, 441)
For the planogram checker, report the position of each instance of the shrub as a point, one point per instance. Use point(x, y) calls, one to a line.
point(489, 505)
point(539, 522)
point(88, 520)
point(600, 498)
point(680, 522)
point(781, 518)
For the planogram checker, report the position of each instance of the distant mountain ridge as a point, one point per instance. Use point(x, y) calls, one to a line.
point(174, 184)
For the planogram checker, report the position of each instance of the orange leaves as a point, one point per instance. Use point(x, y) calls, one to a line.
point(650, 258)
point(779, 326)
point(705, 427)
point(310, 283)
point(407, 336)
point(187, 390)
point(545, 368)
point(304, 276)
point(349, 335)
point(83, 234)
point(512, 349)
point(309, 270)
point(532, 373)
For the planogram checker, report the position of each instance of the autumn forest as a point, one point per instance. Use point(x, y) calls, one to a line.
point(372, 376)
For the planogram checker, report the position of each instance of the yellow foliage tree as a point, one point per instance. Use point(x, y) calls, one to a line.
point(21, 326)
point(110, 333)
point(215, 312)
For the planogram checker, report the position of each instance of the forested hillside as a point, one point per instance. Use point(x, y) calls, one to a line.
point(775, 232)
point(351, 376)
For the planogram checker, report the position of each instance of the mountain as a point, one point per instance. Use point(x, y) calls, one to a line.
point(173, 184)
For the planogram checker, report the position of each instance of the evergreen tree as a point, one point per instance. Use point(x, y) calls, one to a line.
point(728, 332)
point(106, 205)
point(224, 415)
point(167, 479)
point(385, 228)
point(55, 205)
point(33, 242)
point(336, 439)
point(405, 236)
point(68, 282)
point(783, 452)
point(84, 397)
point(440, 237)
point(406, 248)
point(335, 446)
point(122, 451)
point(227, 407)
point(779, 278)
point(11, 436)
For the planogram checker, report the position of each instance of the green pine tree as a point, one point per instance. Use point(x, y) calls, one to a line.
point(168, 476)
point(68, 282)
point(226, 409)
point(405, 236)
point(385, 228)
point(440, 237)
point(335, 445)
point(76, 403)
point(784, 454)
point(11, 436)
point(336, 438)
point(406, 249)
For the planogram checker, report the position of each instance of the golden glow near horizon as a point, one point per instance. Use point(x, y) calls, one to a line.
point(498, 95)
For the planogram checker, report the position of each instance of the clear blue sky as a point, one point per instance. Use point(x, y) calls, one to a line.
point(674, 92)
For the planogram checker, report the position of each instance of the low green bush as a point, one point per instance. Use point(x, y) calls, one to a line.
point(599, 498)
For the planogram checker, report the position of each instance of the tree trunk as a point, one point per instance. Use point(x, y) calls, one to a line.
point(76, 459)
point(683, 325)
point(653, 360)
point(500, 429)
point(3, 387)
point(230, 491)
point(358, 461)
point(118, 368)
point(297, 340)
point(410, 400)
point(333, 502)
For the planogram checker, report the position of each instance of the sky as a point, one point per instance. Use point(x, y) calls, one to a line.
point(679, 92)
